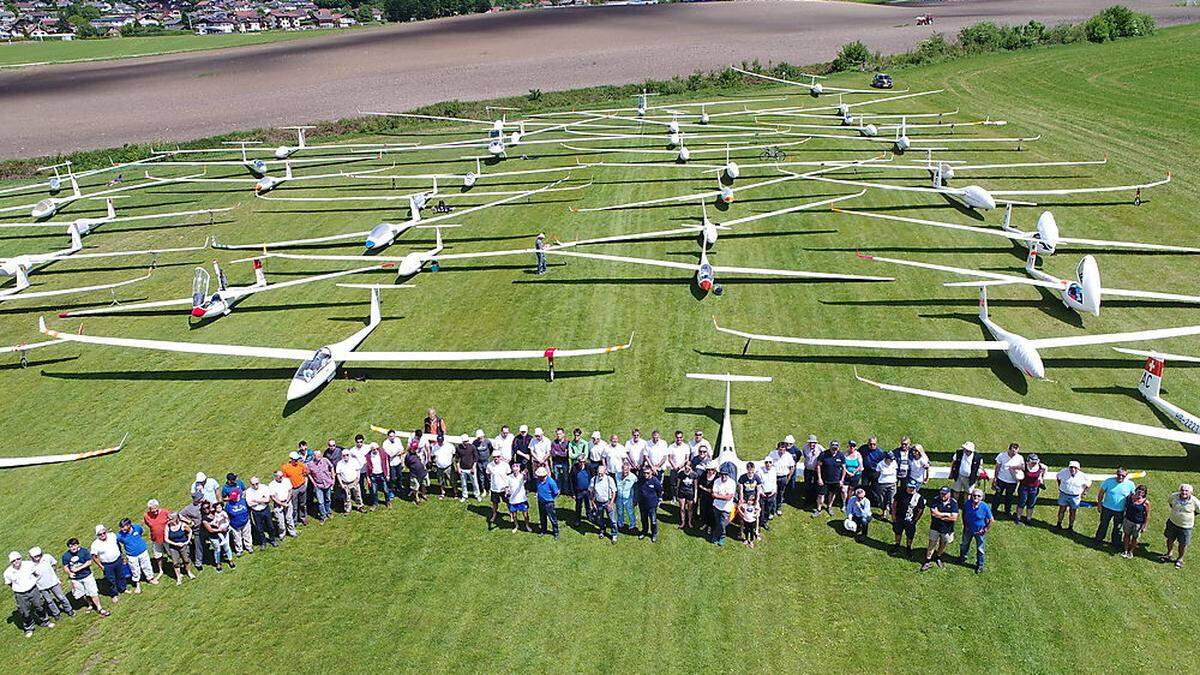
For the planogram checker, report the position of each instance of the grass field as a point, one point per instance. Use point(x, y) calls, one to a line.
point(16, 54)
point(429, 589)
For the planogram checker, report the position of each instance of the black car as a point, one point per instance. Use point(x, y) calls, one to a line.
point(882, 81)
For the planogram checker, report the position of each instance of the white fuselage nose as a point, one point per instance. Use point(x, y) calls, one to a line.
point(213, 307)
point(256, 167)
point(705, 278)
point(470, 179)
point(684, 154)
point(674, 139)
point(977, 198)
point(902, 144)
point(283, 152)
point(816, 90)
point(44, 209)
point(947, 172)
point(704, 118)
point(304, 383)
point(496, 148)
point(410, 265)
point(1047, 233)
point(381, 236)
point(9, 267)
point(55, 185)
point(1084, 295)
point(266, 184)
point(710, 233)
point(1025, 358)
point(869, 130)
point(85, 225)
point(843, 110)
point(673, 127)
point(732, 170)
point(515, 138)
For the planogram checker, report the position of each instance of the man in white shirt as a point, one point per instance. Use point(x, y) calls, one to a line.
point(395, 447)
point(22, 578)
point(48, 583)
point(596, 448)
point(502, 445)
point(107, 554)
point(656, 453)
point(348, 470)
point(1005, 478)
point(770, 492)
point(539, 450)
point(602, 494)
point(785, 472)
point(258, 498)
point(724, 490)
point(443, 459)
point(885, 484)
point(1073, 484)
point(615, 456)
point(635, 449)
point(280, 489)
point(498, 471)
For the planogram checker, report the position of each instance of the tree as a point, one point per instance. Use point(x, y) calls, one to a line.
point(401, 10)
point(853, 56)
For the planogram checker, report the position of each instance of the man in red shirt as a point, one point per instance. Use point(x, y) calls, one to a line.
point(156, 522)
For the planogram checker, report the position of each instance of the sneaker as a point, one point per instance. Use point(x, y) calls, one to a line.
point(105, 612)
point(190, 575)
point(29, 632)
point(978, 570)
point(927, 566)
point(641, 537)
point(940, 564)
point(232, 564)
point(654, 540)
point(71, 614)
point(49, 624)
point(154, 581)
point(816, 513)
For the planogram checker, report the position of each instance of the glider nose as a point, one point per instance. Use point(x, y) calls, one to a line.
point(706, 285)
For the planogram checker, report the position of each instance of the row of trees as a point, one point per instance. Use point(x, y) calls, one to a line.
point(415, 10)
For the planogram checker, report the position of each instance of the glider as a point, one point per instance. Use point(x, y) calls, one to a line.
point(1150, 386)
point(86, 225)
point(1022, 352)
point(264, 184)
point(320, 366)
point(52, 205)
point(18, 462)
point(726, 449)
point(815, 89)
point(55, 183)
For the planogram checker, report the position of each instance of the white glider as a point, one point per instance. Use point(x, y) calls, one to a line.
point(815, 89)
point(86, 225)
point(52, 205)
point(38, 460)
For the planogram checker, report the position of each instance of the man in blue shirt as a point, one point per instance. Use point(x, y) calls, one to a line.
point(547, 492)
point(649, 492)
point(77, 561)
point(1114, 492)
point(872, 456)
point(582, 478)
point(977, 520)
point(137, 555)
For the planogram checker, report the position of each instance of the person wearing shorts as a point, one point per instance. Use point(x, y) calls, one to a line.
point(1135, 520)
point(1180, 521)
point(77, 561)
point(518, 497)
point(498, 474)
point(1029, 487)
point(907, 508)
point(179, 547)
point(943, 515)
point(964, 469)
point(831, 472)
point(1072, 485)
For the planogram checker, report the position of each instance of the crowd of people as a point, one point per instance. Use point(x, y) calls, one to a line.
point(616, 488)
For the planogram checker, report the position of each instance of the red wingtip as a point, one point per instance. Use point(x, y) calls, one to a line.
point(63, 315)
point(863, 256)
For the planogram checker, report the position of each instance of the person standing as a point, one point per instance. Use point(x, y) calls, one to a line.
point(769, 491)
point(539, 451)
point(872, 456)
point(811, 453)
point(1029, 486)
point(581, 480)
point(464, 463)
point(22, 579)
point(918, 464)
point(785, 474)
point(483, 457)
point(577, 449)
point(885, 485)
point(1005, 478)
point(347, 472)
point(216, 526)
point(379, 475)
point(297, 474)
point(443, 461)
point(704, 499)
point(977, 520)
point(1072, 486)
point(241, 538)
point(395, 446)
point(78, 561)
point(749, 484)
point(179, 547)
point(499, 472)
point(433, 425)
point(789, 446)
point(943, 514)
point(656, 456)
point(854, 470)
point(1135, 520)
point(107, 554)
point(858, 510)
point(748, 511)
point(520, 446)
point(603, 493)
point(560, 459)
point(155, 520)
point(282, 506)
point(320, 474)
point(137, 553)
point(685, 495)
point(1181, 519)
point(635, 450)
point(518, 497)
point(649, 494)
point(49, 585)
point(724, 494)
point(232, 483)
point(547, 493)
point(678, 454)
point(831, 471)
point(964, 471)
point(1114, 492)
point(503, 444)
point(539, 247)
point(192, 515)
point(415, 464)
point(625, 485)
point(900, 454)
point(615, 456)
point(207, 487)
point(700, 444)
point(258, 498)
point(596, 451)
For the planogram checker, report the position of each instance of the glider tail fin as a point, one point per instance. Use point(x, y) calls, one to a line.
point(76, 240)
point(260, 277)
point(287, 166)
point(983, 308)
point(1151, 385)
point(1031, 259)
point(1007, 224)
point(22, 280)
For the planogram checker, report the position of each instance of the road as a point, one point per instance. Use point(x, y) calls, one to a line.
point(70, 107)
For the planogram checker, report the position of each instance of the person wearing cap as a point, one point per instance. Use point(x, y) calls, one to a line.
point(22, 578)
point(943, 514)
point(1072, 486)
point(596, 449)
point(768, 493)
point(233, 483)
point(854, 469)
point(1029, 486)
point(520, 448)
point(705, 479)
point(649, 491)
point(872, 455)
point(464, 464)
point(499, 472)
point(581, 480)
point(207, 487)
point(518, 497)
point(282, 506)
point(1005, 478)
point(258, 498)
point(193, 516)
point(416, 464)
point(1135, 520)
point(297, 475)
point(560, 459)
point(977, 520)
point(78, 561)
point(49, 585)
point(577, 449)
point(858, 510)
point(547, 493)
point(884, 492)
point(686, 481)
point(137, 553)
point(964, 469)
point(483, 457)
point(784, 463)
point(831, 472)
point(539, 247)
point(216, 529)
point(347, 471)
point(107, 554)
point(241, 537)
point(602, 491)
point(1181, 520)
point(539, 451)
point(179, 545)
point(320, 475)
point(626, 481)
point(379, 468)
point(724, 494)
point(811, 454)
point(155, 520)
point(1114, 491)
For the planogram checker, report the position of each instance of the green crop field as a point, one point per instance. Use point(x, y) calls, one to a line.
point(430, 588)
point(15, 54)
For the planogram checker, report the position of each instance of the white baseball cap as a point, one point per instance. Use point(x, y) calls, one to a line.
point(14, 556)
point(1072, 464)
point(789, 439)
point(537, 431)
point(596, 434)
point(541, 472)
point(968, 446)
point(101, 528)
point(152, 504)
point(812, 438)
point(523, 427)
point(293, 455)
point(201, 476)
point(35, 552)
point(479, 433)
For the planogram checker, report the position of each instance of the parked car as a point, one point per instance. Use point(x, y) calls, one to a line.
point(882, 81)
point(925, 20)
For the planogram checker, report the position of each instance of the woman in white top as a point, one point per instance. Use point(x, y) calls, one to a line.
point(518, 497)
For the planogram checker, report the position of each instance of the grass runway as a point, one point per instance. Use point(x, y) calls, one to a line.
point(430, 589)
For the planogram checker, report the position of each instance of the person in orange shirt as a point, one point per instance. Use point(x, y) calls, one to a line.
point(296, 472)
